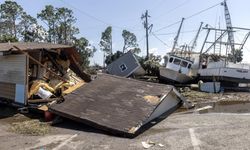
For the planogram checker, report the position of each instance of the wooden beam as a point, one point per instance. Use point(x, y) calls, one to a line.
point(43, 100)
point(30, 57)
point(59, 67)
point(73, 88)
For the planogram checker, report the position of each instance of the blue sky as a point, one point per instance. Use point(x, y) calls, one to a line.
point(93, 16)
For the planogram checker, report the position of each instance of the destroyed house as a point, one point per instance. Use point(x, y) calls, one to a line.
point(48, 77)
point(31, 72)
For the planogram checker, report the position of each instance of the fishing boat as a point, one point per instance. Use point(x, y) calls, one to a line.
point(178, 65)
point(176, 69)
point(226, 69)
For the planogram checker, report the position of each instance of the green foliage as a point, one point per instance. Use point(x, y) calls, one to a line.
point(16, 24)
point(130, 42)
point(60, 23)
point(112, 57)
point(236, 56)
point(106, 41)
point(85, 50)
point(29, 29)
point(65, 30)
point(151, 66)
point(7, 38)
point(10, 12)
point(48, 15)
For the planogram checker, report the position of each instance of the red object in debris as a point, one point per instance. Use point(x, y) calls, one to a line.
point(48, 116)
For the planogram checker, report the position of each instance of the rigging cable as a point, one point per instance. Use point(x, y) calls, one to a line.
point(91, 16)
point(173, 9)
point(160, 40)
point(195, 14)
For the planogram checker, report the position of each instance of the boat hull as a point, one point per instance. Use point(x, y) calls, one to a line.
point(174, 76)
point(225, 74)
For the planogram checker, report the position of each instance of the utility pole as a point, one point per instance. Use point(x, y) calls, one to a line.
point(145, 17)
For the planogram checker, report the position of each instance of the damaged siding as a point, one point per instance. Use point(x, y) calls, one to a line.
point(13, 77)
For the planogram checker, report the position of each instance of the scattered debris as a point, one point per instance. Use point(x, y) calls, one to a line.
point(147, 144)
point(152, 99)
point(36, 73)
point(203, 109)
point(161, 145)
point(30, 127)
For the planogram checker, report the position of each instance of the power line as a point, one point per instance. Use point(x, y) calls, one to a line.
point(195, 14)
point(160, 39)
point(170, 33)
point(173, 9)
point(168, 26)
point(202, 11)
point(93, 17)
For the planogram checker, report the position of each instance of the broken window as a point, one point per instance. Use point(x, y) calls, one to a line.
point(177, 61)
point(184, 64)
point(171, 59)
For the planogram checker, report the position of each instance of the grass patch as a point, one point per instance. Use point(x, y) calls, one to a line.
point(30, 127)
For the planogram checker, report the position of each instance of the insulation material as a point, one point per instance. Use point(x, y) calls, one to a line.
point(44, 94)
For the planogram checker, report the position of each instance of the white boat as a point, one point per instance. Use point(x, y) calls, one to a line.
point(226, 72)
point(179, 66)
point(176, 69)
point(225, 69)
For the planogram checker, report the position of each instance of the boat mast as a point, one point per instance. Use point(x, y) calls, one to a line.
point(196, 37)
point(229, 28)
point(177, 36)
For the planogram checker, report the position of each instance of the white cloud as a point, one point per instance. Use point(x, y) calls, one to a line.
point(153, 50)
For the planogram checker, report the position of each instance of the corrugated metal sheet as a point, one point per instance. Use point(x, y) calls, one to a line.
point(116, 104)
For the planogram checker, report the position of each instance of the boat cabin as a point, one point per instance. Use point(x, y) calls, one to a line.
point(179, 64)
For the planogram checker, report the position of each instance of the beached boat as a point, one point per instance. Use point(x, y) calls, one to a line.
point(176, 69)
point(179, 65)
point(225, 69)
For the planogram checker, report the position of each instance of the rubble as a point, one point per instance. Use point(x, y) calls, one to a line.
point(48, 77)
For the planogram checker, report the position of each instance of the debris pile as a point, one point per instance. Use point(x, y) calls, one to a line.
point(45, 84)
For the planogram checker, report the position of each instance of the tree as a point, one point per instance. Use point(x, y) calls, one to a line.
point(106, 41)
point(236, 56)
point(65, 29)
point(10, 12)
point(29, 29)
point(49, 15)
point(112, 57)
point(85, 50)
point(151, 65)
point(7, 38)
point(60, 23)
point(130, 42)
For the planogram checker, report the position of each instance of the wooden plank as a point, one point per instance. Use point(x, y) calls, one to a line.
point(73, 88)
point(43, 100)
